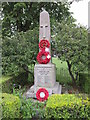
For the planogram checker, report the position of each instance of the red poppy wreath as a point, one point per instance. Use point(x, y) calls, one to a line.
point(43, 57)
point(42, 94)
point(43, 44)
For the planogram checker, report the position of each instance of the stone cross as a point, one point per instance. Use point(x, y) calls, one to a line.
point(44, 29)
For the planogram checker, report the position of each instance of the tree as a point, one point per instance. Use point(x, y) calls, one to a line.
point(19, 51)
point(23, 16)
point(72, 46)
point(74, 1)
point(20, 32)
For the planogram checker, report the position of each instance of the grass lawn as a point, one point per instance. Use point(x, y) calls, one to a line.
point(59, 63)
point(62, 74)
point(4, 78)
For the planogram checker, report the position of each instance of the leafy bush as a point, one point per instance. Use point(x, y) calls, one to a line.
point(67, 106)
point(84, 82)
point(16, 81)
point(31, 109)
point(10, 106)
point(6, 88)
point(18, 52)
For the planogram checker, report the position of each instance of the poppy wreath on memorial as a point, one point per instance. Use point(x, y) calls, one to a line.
point(42, 94)
point(44, 54)
point(44, 44)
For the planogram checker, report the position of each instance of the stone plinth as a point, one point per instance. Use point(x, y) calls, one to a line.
point(44, 77)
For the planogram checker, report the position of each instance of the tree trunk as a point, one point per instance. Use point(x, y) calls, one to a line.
point(25, 67)
point(71, 74)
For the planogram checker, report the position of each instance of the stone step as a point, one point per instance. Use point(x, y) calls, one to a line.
point(52, 90)
point(30, 95)
point(60, 89)
point(31, 90)
point(55, 88)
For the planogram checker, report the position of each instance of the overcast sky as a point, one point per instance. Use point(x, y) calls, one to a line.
point(80, 10)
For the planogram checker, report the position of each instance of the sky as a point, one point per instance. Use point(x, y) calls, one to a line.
point(80, 10)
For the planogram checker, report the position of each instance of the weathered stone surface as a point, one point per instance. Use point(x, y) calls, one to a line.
point(56, 89)
point(44, 29)
point(30, 93)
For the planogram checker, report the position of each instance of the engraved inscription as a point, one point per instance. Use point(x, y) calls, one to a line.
point(44, 71)
point(43, 75)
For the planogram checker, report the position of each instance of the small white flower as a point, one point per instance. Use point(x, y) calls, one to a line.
point(48, 56)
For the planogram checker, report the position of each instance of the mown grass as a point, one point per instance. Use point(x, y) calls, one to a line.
point(59, 63)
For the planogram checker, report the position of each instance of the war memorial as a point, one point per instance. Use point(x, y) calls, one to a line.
point(44, 72)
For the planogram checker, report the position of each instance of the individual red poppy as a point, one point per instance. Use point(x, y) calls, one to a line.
point(43, 44)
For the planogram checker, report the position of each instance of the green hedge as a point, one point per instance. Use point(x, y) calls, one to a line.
point(10, 105)
point(67, 106)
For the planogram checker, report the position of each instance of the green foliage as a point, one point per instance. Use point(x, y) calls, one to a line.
point(84, 82)
point(23, 16)
point(4, 78)
point(15, 82)
point(19, 51)
point(10, 106)
point(72, 45)
point(67, 106)
point(31, 109)
point(7, 86)
point(63, 77)
point(62, 74)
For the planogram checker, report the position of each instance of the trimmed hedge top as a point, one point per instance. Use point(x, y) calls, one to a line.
point(10, 105)
point(66, 100)
point(68, 106)
point(8, 97)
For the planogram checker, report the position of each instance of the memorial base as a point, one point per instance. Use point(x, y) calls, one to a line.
point(44, 77)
